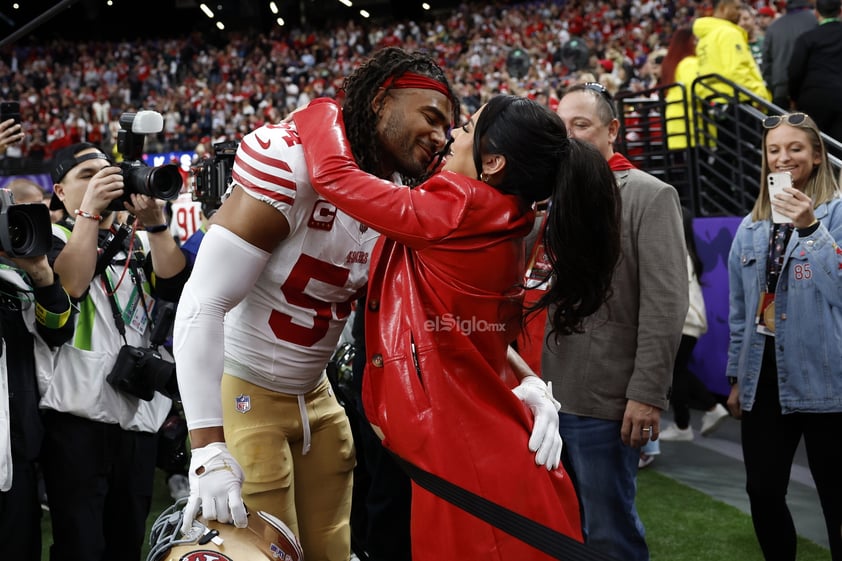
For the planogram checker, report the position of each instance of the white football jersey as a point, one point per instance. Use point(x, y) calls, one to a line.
point(186, 217)
point(284, 332)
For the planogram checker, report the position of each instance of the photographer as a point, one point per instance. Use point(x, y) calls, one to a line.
point(105, 401)
point(32, 297)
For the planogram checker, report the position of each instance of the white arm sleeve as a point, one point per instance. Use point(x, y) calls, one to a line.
point(226, 269)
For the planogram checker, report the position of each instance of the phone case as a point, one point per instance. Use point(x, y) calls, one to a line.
point(9, 110)
point(776, 182)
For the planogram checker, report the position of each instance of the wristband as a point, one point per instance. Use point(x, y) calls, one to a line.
point(48, 319)
point(88, 215)
point(158, 228)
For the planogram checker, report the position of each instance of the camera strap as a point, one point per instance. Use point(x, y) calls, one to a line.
point(111, 294)
point(111, 291)
point(111, 246)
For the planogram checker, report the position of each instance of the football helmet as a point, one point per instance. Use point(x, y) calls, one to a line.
point(266, 537)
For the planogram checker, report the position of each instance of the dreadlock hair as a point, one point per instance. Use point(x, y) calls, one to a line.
point(362, 86)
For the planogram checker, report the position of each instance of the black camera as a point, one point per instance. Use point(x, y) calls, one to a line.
point(211, 177)
point(161, 182)
point(141, 372)
point(25, 229)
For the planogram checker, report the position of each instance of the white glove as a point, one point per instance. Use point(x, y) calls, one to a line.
point(545, 438)
point(215, 483)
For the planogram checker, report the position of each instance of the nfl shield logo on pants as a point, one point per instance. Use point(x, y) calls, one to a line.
point(243, 403)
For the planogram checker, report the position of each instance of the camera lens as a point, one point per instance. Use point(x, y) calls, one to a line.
point(18, 228)
point(164, 182)
point(25, 230)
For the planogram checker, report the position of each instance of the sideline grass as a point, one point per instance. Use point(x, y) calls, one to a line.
point(682, 524)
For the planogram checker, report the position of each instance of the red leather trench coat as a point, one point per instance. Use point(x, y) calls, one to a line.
point(444, 302)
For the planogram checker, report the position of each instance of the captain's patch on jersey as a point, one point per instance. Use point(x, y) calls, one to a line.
point(243, 403)
point(323, 216)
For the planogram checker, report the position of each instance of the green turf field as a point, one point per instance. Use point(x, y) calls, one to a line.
point(683, 524)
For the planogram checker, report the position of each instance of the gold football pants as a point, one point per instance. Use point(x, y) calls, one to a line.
point(297, 454)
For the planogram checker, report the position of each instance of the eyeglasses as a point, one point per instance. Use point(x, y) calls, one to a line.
point(602, 91)
point(793, 119)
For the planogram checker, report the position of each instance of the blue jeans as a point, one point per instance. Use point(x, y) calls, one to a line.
point(604, 471)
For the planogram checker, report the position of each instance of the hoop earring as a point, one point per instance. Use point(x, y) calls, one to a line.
point(483, 178)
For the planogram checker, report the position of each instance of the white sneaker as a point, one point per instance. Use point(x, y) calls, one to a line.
point(713, 418)
point(673, 433)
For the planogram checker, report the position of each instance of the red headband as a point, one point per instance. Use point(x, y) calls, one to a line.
point(413, 80)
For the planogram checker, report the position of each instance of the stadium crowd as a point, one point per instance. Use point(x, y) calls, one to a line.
point(75, 91)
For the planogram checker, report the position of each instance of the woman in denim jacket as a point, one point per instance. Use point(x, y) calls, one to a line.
point(785, 354)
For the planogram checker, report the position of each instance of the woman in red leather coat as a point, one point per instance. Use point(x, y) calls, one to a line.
point(445, 301)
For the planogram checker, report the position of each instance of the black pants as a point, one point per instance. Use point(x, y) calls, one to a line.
point(388, 492)
point(686, 387)
point(769, 443)
point(99, 481)
point(20, 515)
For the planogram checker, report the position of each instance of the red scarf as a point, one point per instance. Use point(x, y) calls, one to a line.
point(618, 162)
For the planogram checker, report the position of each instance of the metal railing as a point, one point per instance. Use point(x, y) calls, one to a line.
point(719, 171)
point(646, 133)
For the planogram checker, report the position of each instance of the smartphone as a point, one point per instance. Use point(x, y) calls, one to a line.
point(10, 110)
point(776, 183)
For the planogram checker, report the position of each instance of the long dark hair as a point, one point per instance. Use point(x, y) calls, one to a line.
point(582, 228)
point(581, 238)
point(360, 88)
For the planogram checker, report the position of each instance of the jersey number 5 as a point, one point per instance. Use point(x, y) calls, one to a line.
point(306, 269)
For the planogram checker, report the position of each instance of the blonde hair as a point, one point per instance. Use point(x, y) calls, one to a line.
point(821, 186)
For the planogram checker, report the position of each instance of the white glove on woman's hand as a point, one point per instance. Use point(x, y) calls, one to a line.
point(216, 480)
point(545, 438)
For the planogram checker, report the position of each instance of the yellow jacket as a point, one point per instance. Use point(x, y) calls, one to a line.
point(723, 49)
point(686, 71)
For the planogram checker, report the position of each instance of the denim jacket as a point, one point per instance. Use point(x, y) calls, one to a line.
point(808, 313)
